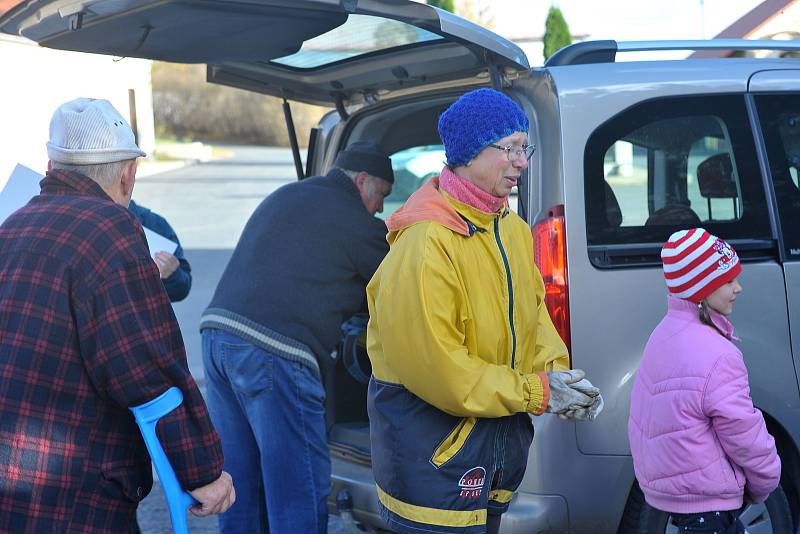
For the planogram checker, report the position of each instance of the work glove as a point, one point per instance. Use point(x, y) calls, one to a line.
point(562, 396)
point(587, 413)
point(586, 387)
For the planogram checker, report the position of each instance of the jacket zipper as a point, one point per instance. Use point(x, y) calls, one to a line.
point(510, 291)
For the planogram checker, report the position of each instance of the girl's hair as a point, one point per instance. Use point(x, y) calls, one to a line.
point(702, 311)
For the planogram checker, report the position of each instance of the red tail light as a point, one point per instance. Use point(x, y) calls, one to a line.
point(550, 255)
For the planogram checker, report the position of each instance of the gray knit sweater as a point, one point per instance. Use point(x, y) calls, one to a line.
point(300, 269)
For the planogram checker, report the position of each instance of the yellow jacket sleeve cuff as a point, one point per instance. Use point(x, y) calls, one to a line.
point(538, 393)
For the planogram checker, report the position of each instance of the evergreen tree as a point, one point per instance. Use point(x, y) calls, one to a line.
point(447, 5)
point(556, 32)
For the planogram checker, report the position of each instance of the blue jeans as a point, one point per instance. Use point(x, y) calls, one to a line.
point(270, 414)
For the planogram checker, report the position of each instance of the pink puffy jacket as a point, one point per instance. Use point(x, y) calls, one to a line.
point(696, 439)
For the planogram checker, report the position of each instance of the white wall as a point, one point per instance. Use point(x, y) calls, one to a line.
point(36, 80)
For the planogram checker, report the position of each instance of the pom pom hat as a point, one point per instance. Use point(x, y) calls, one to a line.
point(477, 119)
point(697, 263)
point(86, 131)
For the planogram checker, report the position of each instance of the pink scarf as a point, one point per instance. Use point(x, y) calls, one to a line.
point(465, 191)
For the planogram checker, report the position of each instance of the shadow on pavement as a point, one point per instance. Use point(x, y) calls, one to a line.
point(154, 517)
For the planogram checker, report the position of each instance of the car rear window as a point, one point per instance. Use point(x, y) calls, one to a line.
point(670, 164)
point(412, 168)
point(360, 35)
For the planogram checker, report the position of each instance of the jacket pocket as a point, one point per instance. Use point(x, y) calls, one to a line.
point(733, 474)
point(738, 475)
point(130, 481)
point(453, 442)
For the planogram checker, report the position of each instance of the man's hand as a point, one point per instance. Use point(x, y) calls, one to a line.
point(214, 498)
point(562, 396)
point(167, 263)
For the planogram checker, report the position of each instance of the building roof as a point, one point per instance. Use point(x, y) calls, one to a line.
point(750, 25)
point(5, 5)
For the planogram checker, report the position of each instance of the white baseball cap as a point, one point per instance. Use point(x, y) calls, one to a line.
point(88, 131)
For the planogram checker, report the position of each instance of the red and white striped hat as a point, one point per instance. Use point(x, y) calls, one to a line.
point(697, 263)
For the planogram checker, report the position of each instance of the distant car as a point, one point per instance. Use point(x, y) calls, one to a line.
point(626, 154)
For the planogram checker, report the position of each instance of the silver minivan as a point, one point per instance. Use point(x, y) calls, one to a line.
point(628, 152)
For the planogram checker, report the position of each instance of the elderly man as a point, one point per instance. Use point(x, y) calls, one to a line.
point(86, 331)
point(299, 270)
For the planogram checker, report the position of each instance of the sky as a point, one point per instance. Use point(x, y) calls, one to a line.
point(628, 20)
point(620, 20)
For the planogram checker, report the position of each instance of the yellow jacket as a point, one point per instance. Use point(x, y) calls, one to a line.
point(457, 312)
point(459, 338)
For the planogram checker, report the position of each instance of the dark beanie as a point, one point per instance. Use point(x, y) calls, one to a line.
point(476, 120)
point(366, 156)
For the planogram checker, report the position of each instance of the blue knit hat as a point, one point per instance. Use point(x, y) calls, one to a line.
point(477, 119)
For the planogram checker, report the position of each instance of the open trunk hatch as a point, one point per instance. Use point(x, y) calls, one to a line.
point(317, 51)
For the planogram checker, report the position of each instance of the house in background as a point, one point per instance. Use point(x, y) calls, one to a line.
point(772, 19)
point(36, 80)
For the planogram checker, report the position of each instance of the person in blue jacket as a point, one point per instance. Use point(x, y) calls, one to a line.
point(176, 274)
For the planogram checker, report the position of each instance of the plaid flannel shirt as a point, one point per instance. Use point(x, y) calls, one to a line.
point(86, 330)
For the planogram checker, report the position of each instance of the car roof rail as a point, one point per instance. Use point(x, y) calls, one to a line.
point(606, 51)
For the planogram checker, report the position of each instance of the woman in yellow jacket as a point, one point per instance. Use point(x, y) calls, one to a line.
point(461, 344)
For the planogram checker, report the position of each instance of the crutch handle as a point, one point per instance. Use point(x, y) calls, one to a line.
point(146, 416)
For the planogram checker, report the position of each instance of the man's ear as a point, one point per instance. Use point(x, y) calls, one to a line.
point(361, 179)
point(49, 165)
point(127, 180)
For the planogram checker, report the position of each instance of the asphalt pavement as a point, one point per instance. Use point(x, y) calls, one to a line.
point(154, 518)
point(208, 204)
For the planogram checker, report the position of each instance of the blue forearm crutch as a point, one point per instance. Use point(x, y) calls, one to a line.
point(147, 415)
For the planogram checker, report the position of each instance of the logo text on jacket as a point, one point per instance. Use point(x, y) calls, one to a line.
point(471, 482)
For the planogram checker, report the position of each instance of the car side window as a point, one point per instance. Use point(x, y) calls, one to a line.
point(780, 122)
point(412, 168)
point(670, 164)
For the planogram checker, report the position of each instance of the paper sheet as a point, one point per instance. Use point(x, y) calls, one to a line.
point(23, 185)
point(157, 242)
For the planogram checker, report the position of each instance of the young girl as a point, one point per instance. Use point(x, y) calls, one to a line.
point(699, 446)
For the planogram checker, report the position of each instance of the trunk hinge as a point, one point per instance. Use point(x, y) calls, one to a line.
point(74, 12)
point(76, 21)
point(298, 164)
point(495, 76)
point(340, 108)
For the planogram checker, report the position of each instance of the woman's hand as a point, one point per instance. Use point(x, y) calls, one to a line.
point(562, 396)
point(588, 413)
point(573, 397)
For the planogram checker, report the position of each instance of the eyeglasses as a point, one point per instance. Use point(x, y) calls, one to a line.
point(514, 152)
